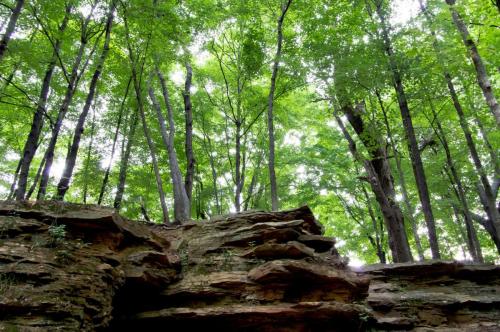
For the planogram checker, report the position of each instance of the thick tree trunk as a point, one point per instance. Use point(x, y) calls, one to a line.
point(30, 146)
point(182, 206)
point(188, 145)
point(418, 167)
point(122, 177)
point(10, 27)
point(68, 97)
point(270, 125)
point(402, 182)
point(398, 241)
point(63, 185)
point(481, 73)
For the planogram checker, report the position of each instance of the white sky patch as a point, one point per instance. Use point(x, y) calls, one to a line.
point(355, 261)
point(57, 168)
point(403, 11)
point(301, 172)
point(177, 76)
point(293, 138)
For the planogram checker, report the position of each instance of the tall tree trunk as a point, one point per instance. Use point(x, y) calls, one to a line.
point(472, 239)
point(113, 146)
point(270, 125)
point(188, 145)
point(122, 177)
point(87, 159)
point(490, 197)
point(418, 167)
point(63, 185)
point(402, 182)
point(30, 146)
point(68, 97)
point(152, 150)
point(239, 177)
point(481, 73)
point(207, 145)
point(398, 241)
point(491, 208)
point(147, 134)
point(10, 27)
point(182, 206)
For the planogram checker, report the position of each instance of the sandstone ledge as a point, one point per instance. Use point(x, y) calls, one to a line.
point(254, 271)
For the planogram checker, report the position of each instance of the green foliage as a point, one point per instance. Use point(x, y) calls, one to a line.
point(332, 54)
point(57, 234)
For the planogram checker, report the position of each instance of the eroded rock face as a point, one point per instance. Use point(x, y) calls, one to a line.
point(61, 265)
point(254, 271)
point(434, 296)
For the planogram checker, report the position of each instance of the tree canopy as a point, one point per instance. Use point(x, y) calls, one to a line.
point(381, 115)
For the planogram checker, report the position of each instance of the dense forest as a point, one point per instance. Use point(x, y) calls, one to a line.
point(381, 115)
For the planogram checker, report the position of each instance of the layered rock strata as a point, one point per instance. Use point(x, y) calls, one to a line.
point(67, 267)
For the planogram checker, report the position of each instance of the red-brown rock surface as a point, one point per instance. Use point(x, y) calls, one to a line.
point(66, 267)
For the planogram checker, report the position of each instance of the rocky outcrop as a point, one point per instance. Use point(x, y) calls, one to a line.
point(434, 296)
point(66, 267)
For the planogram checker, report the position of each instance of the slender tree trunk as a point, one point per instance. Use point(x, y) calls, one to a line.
point(10, 27)
point(472, 239)
point(481, 73)
point(182, 206)
point(144, 211)
point(147, 134)
point(63, 185)
point(68, 97)
point(13, 185)
point(30, 146)
point(402, 182)
point(491, 209)
point(122, 177)
point(87, 160)
point(418, 167)
point(253, 182)
point(238, 174)
point(398, 241)
point(152, 150)
point(113, 146)
point(490, 198)
point(461, 232)
point(37, 177)
point(207, 145)
point(188, 145)
point(378, 242)
point(270, 125)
